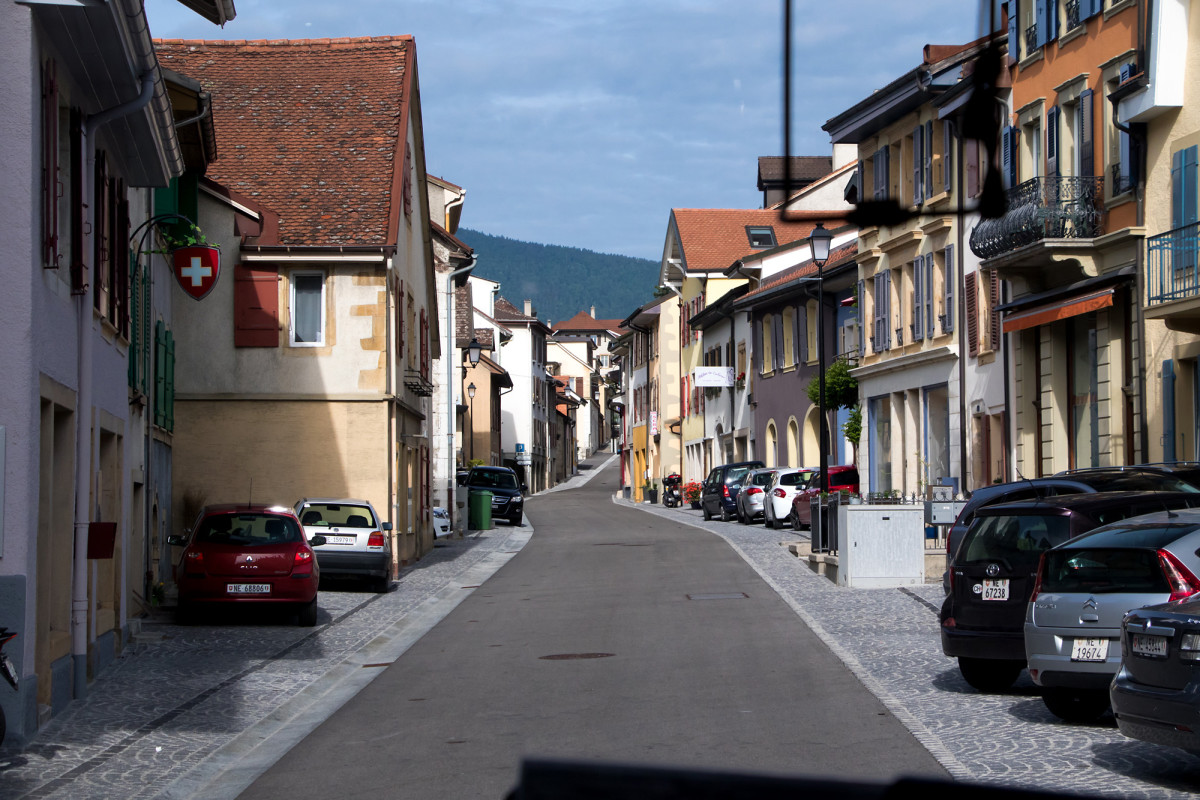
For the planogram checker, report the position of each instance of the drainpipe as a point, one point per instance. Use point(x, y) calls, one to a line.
point(451, 394)
point(960, 294)
point(84, 435)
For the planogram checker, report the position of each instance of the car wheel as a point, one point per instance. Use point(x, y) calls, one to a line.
point(795, 520)
point(725, 516)
point(1076, 705)
point(707, 515)
point(382, 583)
point(990, 674)
point(308, 614)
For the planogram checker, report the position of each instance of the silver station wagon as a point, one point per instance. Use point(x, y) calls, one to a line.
point(1084, 589)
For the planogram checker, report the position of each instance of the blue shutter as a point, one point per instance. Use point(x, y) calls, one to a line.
point(918, 157)
point(1189, 185)
point(1087, 158)
point(918, 309)
point(1008, 156)
point(1089, 8)
point(1041, 14)
point(1014, 37)
point(858, 183)
point(929, 295)
point(1050, 22)
point(1052, 117)
point(887, 308)
point(948, 322)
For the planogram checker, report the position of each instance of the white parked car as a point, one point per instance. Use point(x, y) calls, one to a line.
point(356, 540)
point(777, 507)
point(441, 521)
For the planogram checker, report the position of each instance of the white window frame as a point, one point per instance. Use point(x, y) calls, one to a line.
point(295, 276)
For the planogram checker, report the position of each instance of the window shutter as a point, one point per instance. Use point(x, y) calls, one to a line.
point(168, 412)
point(948, 308)
point(858, 183)
point(160, 372)
point(887, 309)
point(887, 172)
point(918, 162)
point(123, 260)
point(100, 232)
point(1008, 156)
point(1014, 38)
point(993, 314)
point(878, 175)
point(1052, 117)
point(424, 345)
point(971, 155)
point(777, 344)
point(877, 325)
point(972, 314)
point(862, 323)
point(929, 295)
point(255, 307)
point(400, 320)
point(918, 300)
point(757, 355)
point(1189, 185)
point(927, 181)
point(76, 203)
point(1090, 8)
point(1041, 21)
point(1087, 165)
point(802, 343)
point(50, 168)
point(947, 154)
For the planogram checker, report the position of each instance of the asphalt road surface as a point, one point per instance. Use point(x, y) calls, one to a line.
point(614, 635)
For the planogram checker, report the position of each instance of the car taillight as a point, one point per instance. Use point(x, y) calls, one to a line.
point(754, 490)
point(780, 493)
point(194, 557)
point(725, 490)
point(1183, 583)
point(1037, 582)
point(375, 540)
point(303, 556)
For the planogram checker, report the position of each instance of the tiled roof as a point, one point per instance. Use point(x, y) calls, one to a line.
point(584, 321)
point(836, 259)
point(507, 312)
point(311, 128)
point(714, 238)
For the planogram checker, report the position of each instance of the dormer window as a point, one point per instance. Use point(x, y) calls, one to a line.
point(762, 237)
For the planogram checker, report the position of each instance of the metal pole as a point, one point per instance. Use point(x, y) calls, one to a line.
point(823, 444)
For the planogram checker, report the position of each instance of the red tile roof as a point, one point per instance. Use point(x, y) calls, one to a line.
point(313, 129)
point(584, 321)
point(714, 238)
point(836, 259)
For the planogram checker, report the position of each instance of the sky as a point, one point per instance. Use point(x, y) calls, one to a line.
point(584, 122)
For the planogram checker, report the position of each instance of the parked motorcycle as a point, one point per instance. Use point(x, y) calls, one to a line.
point(9, 672)
point(672, 491)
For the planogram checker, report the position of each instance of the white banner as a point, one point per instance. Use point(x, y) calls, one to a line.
point(709, 377)
point(653, 423)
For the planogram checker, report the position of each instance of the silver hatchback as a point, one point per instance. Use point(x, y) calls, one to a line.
point(1083, 590)
point(356, 541)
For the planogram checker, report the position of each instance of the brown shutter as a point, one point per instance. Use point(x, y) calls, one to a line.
point(400, 320)
point(971, 153)
point(972, 299)
point(993, 314)
point(424, 345)
point(77, 202)
point(255, 307)
point(100, 236)
point(50, 168)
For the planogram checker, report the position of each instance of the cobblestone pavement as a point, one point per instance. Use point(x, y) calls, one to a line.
point(184, 704)
point(889, 638)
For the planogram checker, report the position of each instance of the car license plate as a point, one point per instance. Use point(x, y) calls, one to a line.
point(1089, 650)
point(995, 589)
point(339, 540)
point(1148, 645)
point(248, 588)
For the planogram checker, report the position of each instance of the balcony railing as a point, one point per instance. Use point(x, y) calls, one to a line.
point(1122, 179)
point(1031, 42)
point(1171, 272)
point(1073, 19)
point(1043, 208)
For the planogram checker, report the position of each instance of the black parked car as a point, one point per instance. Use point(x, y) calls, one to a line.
point(508, 502)
point(1174, 477)
point(983, 616)
point(719, 495)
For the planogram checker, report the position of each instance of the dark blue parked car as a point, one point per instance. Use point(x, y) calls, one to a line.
point(719, 496)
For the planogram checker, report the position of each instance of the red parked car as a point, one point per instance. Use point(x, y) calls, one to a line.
point(841, 478)
point(247, 555)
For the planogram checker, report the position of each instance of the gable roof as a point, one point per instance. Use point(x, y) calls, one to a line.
point(584, 321)
point(316, 129)
point(842, 255)
point(713, 238)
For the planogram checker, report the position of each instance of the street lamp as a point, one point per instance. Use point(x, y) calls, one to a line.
point(473, 351)
point(819, 241)
point(471, 394)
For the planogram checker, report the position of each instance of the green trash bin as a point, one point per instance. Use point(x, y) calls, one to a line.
point(479, 510)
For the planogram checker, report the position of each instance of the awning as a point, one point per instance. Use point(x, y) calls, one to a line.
point(1061, 309)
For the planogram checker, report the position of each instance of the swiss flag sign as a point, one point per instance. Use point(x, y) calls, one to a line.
point(197, 267)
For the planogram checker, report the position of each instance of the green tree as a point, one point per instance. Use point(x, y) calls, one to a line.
point(841, 388)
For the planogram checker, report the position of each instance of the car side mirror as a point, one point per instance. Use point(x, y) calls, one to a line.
point(177, 540)
point(524, 488)
point(387, 526)
point(317, 540)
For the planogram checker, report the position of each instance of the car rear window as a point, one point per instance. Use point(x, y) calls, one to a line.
point(763, 478)
point(341, 515)
point(494, 480)
point(1097, 570)
point(1017, 540)
point(1134, 534)
point(1136, 482)
point(736, 475)
point(248, 530)
point(794, 478)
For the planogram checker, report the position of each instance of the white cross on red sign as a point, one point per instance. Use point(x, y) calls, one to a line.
point(197, 268)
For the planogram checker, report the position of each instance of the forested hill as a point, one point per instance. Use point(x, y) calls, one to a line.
point(562, 281)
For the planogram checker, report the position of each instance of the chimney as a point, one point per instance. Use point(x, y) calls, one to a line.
point(593, 312)
point(529, 308)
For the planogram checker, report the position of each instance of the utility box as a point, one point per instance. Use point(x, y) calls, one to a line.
point(881, 546)
point(479, 512)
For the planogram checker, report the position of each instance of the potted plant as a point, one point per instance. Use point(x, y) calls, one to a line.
point(691, 493)
point(652, 494)
point(741, 380)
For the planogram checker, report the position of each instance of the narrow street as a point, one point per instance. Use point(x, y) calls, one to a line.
point(614, 635)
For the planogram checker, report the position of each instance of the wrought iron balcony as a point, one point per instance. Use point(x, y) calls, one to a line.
point(1171, 271)
point(1073, 19)
point(1042, 208)
point(1031, 42)
point(1122, 179)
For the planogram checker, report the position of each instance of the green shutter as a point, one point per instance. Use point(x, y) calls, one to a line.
point(160, 373)
point(169, 384)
